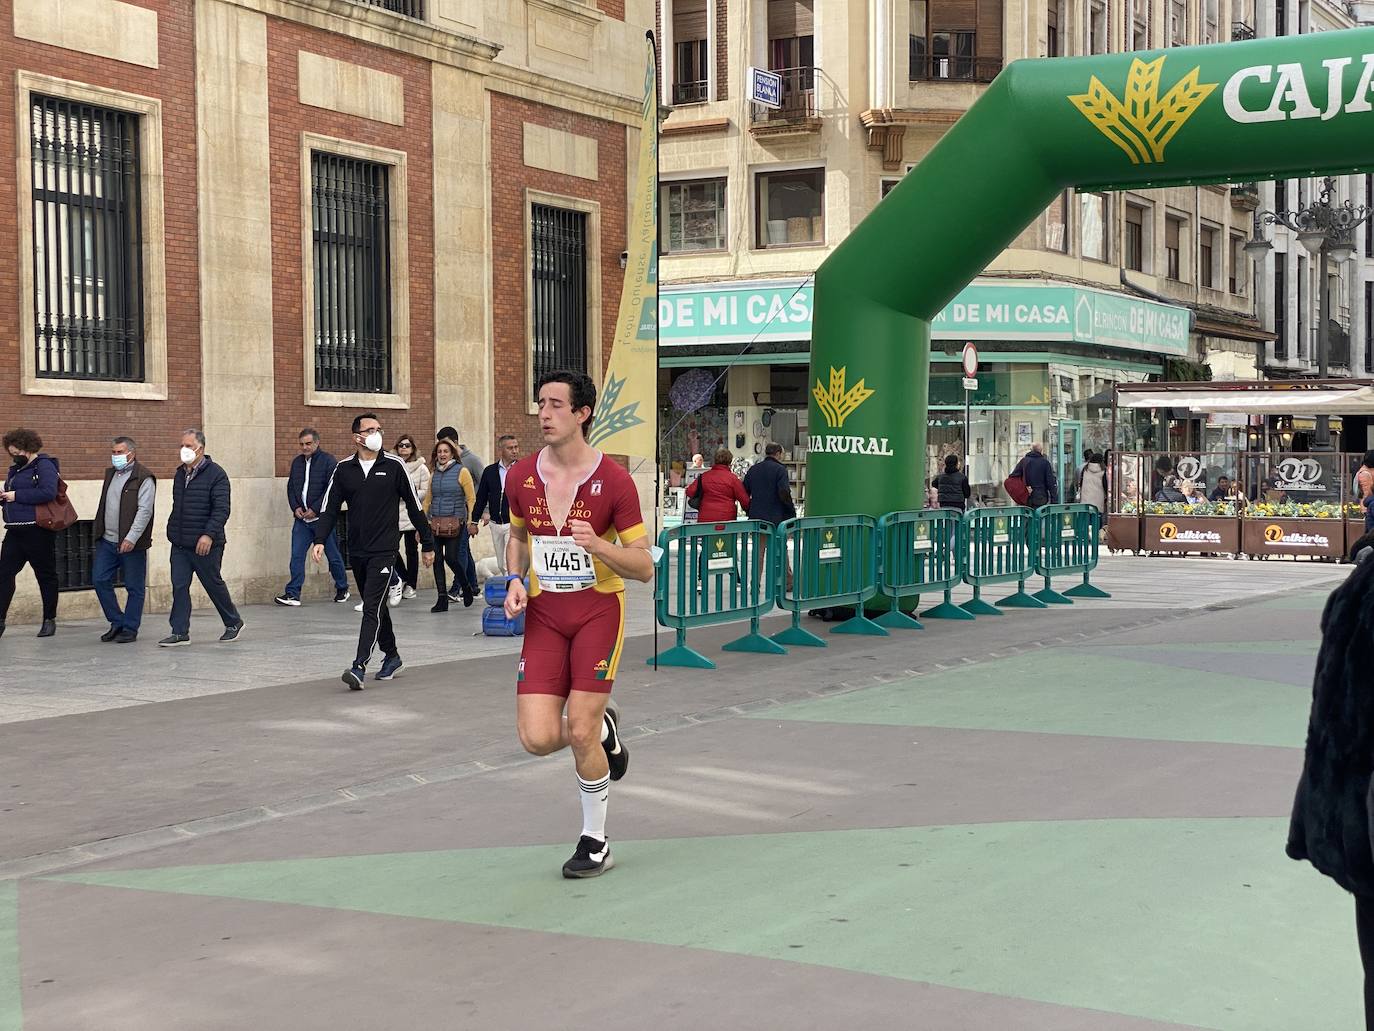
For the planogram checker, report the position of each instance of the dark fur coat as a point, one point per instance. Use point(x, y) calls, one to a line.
point(1331, 821)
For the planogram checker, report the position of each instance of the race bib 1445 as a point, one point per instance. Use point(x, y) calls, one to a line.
point(562, 565)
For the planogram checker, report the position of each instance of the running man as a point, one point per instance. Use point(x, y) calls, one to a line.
point(576, 528)
point(370, 482)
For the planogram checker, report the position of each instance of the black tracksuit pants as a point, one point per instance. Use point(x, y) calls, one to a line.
point(373, 574)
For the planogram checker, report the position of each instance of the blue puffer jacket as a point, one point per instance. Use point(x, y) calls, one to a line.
point(200, 508)
point(34, 483)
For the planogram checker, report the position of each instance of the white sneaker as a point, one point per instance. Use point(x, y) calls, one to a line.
point(408, 593)
point(358, 607)
point(393, 591)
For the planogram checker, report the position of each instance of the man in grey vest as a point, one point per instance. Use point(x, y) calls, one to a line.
point(123, 534)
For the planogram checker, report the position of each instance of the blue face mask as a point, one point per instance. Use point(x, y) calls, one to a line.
point(119, 461)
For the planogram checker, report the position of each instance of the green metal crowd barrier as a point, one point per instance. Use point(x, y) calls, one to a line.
point(919, 552)
point(999, 551)
point(1065, 540)
point(834, 563)
point(715, 573)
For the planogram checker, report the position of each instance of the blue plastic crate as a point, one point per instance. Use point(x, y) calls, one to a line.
point(494, 591)
point(495, 623)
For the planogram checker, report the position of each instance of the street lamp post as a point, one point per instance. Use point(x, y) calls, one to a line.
point(1324, 228)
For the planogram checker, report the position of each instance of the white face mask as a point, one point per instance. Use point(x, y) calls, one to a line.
point(188, 455)
point(373, 441)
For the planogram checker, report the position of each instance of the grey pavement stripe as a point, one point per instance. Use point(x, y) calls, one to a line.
point(141, 841)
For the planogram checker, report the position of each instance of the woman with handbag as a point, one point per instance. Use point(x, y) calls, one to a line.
point(451, 494)
point(31, 484)
point(408, 561)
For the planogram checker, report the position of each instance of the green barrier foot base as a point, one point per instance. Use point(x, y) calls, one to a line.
point(896, 619)
point(1022, 600)
point(978, 607)
point(861, 625)
point(799, 636)
point(946, 610)
point(1051, 597)
point(681, 655)
point(1086, 591)
point(756, 643)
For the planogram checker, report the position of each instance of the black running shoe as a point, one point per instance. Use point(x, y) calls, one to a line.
point(592, 859)
point(617, 752)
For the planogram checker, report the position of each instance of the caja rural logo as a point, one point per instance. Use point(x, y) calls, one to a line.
point(1143, 123)
point(837, 403)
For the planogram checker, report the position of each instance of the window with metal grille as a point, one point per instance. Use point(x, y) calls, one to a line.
point(558, 255)
point(75, 548)
point(87, 241)
point(410, 8)
point(350, 216)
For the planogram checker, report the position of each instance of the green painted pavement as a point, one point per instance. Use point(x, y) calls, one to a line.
point(1303, 647)
point(1201, 922)
point(1067, 692)
point(11, 1005)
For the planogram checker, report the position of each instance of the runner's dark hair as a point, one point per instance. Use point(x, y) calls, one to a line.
point(581, 390)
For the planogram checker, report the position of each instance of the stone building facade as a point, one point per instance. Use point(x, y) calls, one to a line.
point(253, 216)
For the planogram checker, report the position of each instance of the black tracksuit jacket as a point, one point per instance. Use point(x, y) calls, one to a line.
point(373, 526)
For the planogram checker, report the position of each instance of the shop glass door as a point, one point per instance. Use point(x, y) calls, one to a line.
point(1066, 451)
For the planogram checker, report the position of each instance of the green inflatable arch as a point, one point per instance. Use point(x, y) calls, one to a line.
point(1263, 109)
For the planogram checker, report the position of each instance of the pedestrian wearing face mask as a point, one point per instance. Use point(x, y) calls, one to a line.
point(32, 481)
point(370, 482)
point(200, 510)
point(123, 534)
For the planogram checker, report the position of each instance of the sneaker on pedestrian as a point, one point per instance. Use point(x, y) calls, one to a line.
point(391, 665)
point(591, 859)
point(286, 599)
point(341, 595)
point(393, 591)
point(358, 607)
point(110, 634)
point(617, 752)
point(354, 676)
point(408, 593)
point(455, 595)
point(232, 633)
point(126, 637)
point(174, 641)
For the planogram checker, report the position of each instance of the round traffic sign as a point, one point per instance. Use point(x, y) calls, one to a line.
point(970, 360)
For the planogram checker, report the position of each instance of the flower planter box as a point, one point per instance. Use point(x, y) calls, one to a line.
point(1181, 534)
point(1354, 530)
point(1263, 536)
point(1123, 533)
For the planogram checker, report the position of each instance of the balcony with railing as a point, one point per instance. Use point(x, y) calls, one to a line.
point(408, 8)
point(1245, 196)
point(690, 93)
point(798, 115)
point(951, 68)
point(1240, 30)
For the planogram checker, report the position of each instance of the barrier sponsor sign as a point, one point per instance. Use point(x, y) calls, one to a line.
point(1182, 534)
point(1316, 538)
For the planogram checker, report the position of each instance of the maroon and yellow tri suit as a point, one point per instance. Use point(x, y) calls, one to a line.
point(575, 622)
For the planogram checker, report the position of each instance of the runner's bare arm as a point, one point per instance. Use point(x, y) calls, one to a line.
point(517, 565)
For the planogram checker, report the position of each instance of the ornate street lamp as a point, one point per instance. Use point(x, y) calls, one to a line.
point(1324, 228)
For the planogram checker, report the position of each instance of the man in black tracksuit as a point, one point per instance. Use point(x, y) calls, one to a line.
point(370, 482)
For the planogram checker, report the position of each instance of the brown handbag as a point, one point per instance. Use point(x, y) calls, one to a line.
point(445, 526)
point(57, 514)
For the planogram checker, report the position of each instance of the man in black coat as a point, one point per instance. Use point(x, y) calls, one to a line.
point(200, 510)
point(1330, 826)
point(311, 471)
point(492, 506)
point(1038, 473)
point(770, 495)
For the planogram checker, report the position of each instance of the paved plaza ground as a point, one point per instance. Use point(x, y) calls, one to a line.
point(1061, 820)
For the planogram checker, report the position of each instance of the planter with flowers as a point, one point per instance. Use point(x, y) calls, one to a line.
point(1316, 529)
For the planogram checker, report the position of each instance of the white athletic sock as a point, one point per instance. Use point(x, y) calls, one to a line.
point(594, 794)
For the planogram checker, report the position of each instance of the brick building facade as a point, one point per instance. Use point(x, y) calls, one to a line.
point(275, 214)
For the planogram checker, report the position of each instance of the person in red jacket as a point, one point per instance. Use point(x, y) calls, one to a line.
point(720, 489)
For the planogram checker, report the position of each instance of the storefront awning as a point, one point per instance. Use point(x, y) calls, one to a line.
point(1352, 400)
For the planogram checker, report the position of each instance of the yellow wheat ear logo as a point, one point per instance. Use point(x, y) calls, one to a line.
point(838, 404)
point(1143, 124)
